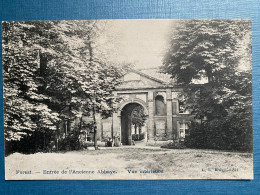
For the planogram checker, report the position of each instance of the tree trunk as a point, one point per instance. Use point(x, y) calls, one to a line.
point(68, 125)
point(57, 136)
point(65, 127)
point(93, 110)
point(209, 74)
point(80, 124)
point(90, 49)
point(44, 144)
point(95, 128)
point(69, 116)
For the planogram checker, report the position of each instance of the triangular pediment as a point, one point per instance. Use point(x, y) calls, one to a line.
point(136, 80)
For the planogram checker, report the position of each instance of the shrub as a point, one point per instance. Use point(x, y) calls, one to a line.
point(222, 136)
point(174, 145)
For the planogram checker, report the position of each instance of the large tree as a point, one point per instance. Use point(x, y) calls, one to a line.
point(52, 72)
point(24, 107)
point(204, 48)
point(96, 77)
point(217, 52)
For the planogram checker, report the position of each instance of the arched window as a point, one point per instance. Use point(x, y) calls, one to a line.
point(160, 107)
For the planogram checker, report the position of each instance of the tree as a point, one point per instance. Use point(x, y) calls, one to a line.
point(138, 118)
point(211, 50)
point(52, 73)
point(96, 77)
point(24, 107)
point(204, 48)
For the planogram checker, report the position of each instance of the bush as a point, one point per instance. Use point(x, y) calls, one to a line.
point(38, 141)
point(221, 136)
point(174, 145)
point(71, 142)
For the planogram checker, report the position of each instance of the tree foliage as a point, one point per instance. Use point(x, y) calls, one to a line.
point(204, 48)
point(54, 71)
point(24, 107)
point(138, 118)
point(218, 52)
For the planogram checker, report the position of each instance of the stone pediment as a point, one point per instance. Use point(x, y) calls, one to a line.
point(138, 80)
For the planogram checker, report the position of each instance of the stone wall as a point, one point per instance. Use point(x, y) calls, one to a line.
point(159, 127)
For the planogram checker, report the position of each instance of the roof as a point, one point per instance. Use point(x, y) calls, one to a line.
point(155, 74)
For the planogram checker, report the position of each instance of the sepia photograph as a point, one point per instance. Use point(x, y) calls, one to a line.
point(128, 99)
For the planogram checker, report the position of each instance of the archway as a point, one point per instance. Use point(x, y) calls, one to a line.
point(130, 115)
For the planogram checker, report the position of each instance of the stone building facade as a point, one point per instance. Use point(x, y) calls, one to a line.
point(162, 104)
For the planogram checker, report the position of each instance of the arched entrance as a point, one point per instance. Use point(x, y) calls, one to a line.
point(133, 123)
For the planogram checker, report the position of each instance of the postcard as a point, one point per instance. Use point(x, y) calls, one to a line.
point(128, 99)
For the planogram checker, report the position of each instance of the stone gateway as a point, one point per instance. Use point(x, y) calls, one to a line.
point(161, 102)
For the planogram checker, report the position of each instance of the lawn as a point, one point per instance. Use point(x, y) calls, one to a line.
point(131, 163)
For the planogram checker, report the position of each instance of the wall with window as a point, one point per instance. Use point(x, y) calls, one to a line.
point(183, 129)
point(160, 106)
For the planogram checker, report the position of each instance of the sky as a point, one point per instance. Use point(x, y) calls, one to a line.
point(143, 42)
point(140, 42)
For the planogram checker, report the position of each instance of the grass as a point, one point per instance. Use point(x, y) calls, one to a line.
point(175, 164)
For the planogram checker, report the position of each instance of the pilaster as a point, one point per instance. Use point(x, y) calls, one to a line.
point(169, 130)
point(150, 130)
point(116, 130)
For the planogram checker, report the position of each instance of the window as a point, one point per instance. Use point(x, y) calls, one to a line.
point(160, 107)
point(182, 108)
point(183, 129)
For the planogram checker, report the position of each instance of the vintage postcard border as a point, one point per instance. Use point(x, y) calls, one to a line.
point(48, 10)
